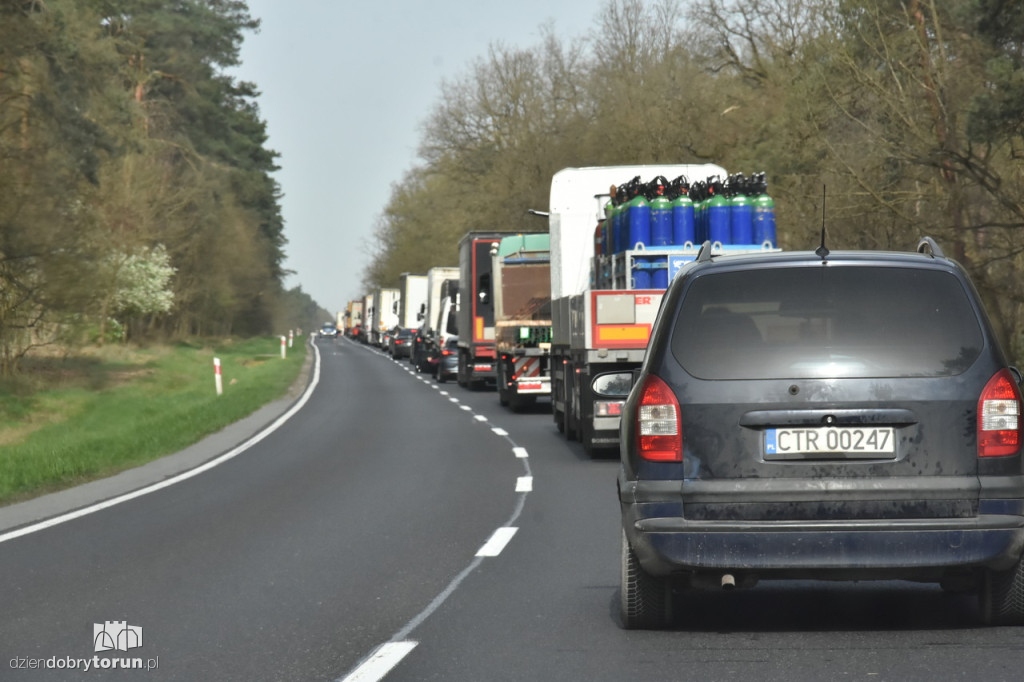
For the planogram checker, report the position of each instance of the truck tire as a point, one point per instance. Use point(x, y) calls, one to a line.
point(645, 600)
point(1002, 596)
point(503, 392)
point(463, 373)
point(587, 437)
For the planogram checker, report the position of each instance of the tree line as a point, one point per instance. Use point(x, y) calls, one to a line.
point(908, 114)
point(136, 189)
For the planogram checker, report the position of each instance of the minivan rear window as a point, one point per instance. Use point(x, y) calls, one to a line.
point(826, 321)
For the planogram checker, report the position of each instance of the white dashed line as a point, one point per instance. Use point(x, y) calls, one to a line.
point(524, 484)
point(521, 453)
point(499, 431)
point(497, 542)
point(380, 663)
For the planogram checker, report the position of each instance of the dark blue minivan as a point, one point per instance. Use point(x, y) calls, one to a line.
point(816, 415)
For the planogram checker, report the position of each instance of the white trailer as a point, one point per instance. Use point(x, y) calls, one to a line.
point(385, 315)
point(412, 303)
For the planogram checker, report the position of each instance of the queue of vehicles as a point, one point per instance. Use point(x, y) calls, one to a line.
point(542, 315)
point(804, 415)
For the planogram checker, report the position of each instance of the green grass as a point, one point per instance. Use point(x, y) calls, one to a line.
point(73, 419)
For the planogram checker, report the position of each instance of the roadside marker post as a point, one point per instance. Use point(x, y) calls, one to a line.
point(217, 380)
point(284, 349)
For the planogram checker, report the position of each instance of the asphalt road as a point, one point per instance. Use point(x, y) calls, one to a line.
point(347, 542)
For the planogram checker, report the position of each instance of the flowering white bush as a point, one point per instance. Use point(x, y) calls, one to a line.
point(142, 282)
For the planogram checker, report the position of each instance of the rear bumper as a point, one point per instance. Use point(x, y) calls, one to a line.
point(533, 386)
point(911, 549)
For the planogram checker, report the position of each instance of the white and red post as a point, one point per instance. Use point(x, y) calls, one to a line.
point(217, 380)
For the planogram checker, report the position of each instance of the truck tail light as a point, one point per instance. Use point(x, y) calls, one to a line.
point(659, 433)
point(999, 414)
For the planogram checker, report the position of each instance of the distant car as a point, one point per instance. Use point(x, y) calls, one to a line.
point(828, 416)
point(328, 331)
point(448, 363)
point(401, 342)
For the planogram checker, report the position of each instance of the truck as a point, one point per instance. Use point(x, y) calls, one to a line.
point(352, 319)
point(522, 318)
point(428, 327)
point(606, 287)
point(475, 309)
point(412, 302)
point(385, 315)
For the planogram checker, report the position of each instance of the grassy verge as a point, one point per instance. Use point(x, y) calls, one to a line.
point(73, 419)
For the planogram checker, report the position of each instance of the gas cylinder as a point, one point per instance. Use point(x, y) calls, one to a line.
point(741, 210)
point(618, 218)
point(638, 216)
point(661, 211)
point(716, 209)
point(697, 193)
point(682, 212)
point(764, 211)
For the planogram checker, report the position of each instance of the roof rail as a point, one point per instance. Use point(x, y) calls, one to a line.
point(704, 255)
point(927, 245)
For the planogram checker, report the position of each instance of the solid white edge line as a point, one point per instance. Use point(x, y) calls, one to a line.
point(524, 484)
point(496, 544)
point(380, 662)
point(230, 454)
point(521, 453)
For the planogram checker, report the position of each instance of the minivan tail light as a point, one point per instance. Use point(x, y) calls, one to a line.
point(999, 417)
point(659, 436)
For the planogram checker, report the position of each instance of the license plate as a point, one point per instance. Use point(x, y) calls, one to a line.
point(829, 441)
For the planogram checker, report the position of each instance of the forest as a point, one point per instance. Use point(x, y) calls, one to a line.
point(907, 115)
point(137, 198)
point(137, 191)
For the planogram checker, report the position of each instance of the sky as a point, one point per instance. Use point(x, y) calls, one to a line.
point(345, 88)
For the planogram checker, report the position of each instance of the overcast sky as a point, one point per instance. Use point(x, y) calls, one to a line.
point(345, 87)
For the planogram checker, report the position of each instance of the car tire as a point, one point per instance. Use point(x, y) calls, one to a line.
point(645, 600)
point(1002, 596)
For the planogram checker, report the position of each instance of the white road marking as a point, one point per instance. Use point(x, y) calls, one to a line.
point(480, 418)
point(521, 453)
point(524, 484)
point(499, 431)
point(497, 542)
point(380, 662)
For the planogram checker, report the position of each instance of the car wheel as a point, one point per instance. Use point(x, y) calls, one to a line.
point(1002, 596)
point(645, 600)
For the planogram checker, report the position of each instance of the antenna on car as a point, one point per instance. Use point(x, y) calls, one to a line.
point(822, 251)
point(704, 255)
